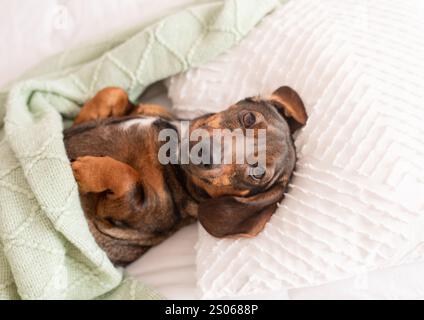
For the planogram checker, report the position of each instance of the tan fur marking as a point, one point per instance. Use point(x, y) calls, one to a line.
point(219, 187)
point(153, 110)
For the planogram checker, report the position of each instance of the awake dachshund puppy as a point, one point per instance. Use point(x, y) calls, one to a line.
point(133, 202)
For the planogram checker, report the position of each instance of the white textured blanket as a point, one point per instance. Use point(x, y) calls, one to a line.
point(356, 202)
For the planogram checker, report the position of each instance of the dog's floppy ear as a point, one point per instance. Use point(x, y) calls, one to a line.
point(289, 104)
point(238, 216)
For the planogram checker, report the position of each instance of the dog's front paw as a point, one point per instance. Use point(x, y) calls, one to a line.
point(86, 173)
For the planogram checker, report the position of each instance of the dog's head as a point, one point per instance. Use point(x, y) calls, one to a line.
point(241, 197)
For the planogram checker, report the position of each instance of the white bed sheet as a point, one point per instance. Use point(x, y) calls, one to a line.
point(32, 30)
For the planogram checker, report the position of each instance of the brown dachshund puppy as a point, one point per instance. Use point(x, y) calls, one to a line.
point(133, 202)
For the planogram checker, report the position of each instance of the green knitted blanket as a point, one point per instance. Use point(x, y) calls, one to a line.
point(46, 249)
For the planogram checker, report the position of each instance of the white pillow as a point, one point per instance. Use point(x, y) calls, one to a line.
point(356, 202)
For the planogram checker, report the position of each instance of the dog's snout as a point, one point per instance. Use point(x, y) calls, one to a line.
point(207, 165)
point(207, 159)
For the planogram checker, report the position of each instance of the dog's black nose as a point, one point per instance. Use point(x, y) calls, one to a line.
point(206, 157)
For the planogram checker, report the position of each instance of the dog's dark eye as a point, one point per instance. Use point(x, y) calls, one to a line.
point(257, 173)
point(249, 119)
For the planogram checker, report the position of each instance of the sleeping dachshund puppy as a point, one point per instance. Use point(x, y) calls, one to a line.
point(133, 202)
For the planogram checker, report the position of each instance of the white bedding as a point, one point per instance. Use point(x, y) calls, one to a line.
point(31, 30)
